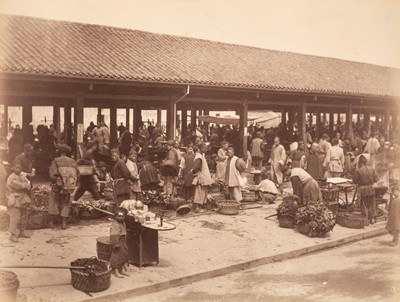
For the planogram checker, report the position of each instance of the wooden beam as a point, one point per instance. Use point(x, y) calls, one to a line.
point(302, 122)
point(159, 115)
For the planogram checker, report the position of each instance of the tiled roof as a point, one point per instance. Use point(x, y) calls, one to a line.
point(37, 46)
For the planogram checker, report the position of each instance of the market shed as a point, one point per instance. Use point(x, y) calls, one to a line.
point(71, 65)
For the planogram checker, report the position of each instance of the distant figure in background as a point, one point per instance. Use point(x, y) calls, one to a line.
point(297, 157)
point(3, 184)
point(372, 148)
point(132, 167)
point(15, 144)
point(121, 128)
point(257, 150)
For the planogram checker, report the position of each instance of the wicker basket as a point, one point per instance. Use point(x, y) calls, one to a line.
point(228, 207)
point(350, 220)
point(4, 221)
point(8, 286)
point(87, 281)
point(286, 222)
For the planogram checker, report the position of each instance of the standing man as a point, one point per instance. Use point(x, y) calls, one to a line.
point(202, 180)
point(63, 175)
point(233, 180)
point(313, 165)
point(257, 153)
point(372, 148)
point(277, 161)
point(121, 177)
point(25, 160)
point(297, 157)
point(334, 160)
point(171, 160)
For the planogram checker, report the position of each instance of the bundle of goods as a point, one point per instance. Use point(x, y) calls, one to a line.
point(314, 220)
point(95, 277)
point(4, 218)
point(40, 197)
point(286, 212)
point(37, 211)
point(228, 207)
point(86, 207)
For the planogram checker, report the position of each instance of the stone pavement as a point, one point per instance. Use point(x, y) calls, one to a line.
point(201, 246)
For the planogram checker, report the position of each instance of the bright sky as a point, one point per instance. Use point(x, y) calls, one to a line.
point(358, 30)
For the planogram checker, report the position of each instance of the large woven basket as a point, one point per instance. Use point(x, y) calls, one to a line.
point(8, 286)
point(87, 281)
point(350, 220)
point(228, 207)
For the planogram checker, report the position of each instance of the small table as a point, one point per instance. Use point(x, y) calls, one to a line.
point(142, 240)
point(345, 187)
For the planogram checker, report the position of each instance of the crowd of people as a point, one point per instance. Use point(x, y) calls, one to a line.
point(203, 156)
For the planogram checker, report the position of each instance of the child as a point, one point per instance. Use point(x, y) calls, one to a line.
point(393, 223)
point(119, 256)
point(18, 199)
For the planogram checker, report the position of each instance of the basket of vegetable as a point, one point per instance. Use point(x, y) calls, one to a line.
point(314, 220)
point(286, 212)
point(95, 278)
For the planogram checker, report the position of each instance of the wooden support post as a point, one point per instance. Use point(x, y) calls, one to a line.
point(243, 128)
point(99, 116)
point(67, 124)
point(367, 122)
point(184, 121)
point(349, 122)
point(56, 118)
point(159, 116)
point(318, 125)
point(4, 126)
point(291, 121)
point(387, 123)
point(193, 119)
point(127, 118)
point(137, 121)
point(171, 119)
point(26, 120)
point(207, 125)
point(283, 119)
point(302, 122)
point(113, 126)
point(331, 123)
point(78, 124)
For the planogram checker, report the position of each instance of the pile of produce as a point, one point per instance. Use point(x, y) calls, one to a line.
point(288, 207)
point(40, 197)
point(314, 220)
point(93, 265)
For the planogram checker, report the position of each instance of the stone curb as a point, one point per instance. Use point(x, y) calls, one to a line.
point(235, 268)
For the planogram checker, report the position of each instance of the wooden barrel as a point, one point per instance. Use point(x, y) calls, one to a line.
point(8, 286)
point(104, 248)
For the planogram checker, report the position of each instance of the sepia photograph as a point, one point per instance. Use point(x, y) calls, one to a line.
point(199, 150)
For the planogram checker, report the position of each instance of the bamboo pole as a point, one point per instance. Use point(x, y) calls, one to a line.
point(41, 266)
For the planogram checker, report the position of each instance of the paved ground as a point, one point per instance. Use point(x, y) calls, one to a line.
point(367, 270)
point(199, 248)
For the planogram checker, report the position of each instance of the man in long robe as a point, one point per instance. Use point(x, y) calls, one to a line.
point(277, 160)
point(202, 181)
point(313, 165)
point(233, 179)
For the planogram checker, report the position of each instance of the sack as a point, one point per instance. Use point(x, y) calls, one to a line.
point(68, 178)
